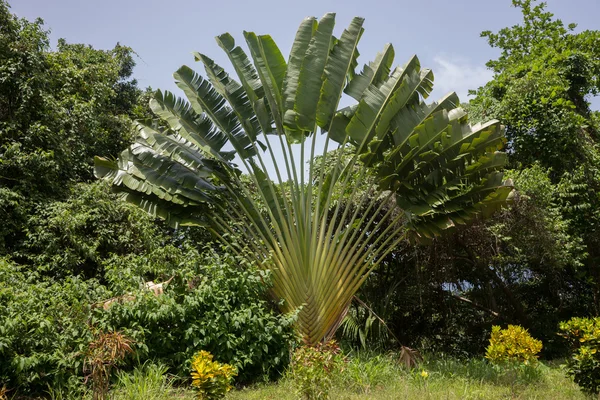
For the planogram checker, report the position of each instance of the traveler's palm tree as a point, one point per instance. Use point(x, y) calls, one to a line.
point(438, 169)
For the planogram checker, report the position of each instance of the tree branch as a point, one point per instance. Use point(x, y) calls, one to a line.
point(479, 306)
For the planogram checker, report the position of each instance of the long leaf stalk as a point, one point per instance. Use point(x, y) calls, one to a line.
point(440, 170)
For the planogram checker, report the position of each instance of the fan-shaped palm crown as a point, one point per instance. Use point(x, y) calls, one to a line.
point(439, 169)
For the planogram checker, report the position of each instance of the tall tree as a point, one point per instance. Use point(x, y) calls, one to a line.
point(543, 80)
point(58, 108)
point(439, 170)
point(540, 90)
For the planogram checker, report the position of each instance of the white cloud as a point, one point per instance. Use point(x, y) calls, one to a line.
point(457, 75)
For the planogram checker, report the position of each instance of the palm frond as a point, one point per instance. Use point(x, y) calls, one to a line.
point(399, 164)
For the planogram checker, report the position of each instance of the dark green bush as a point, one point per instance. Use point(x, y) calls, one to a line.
point(583, 335)
point(78, 235)
point(211, 304)
point(43, 329)
point(214, 305)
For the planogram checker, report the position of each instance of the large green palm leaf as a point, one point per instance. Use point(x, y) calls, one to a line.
point(392, 147)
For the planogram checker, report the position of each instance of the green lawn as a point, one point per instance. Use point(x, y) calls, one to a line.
point(466, 382)
point(380, 377)
point(554, 386)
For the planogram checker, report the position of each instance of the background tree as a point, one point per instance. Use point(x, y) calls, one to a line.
point(536, 262)
point(58, 108)
point(67, 245)
point(543, 80)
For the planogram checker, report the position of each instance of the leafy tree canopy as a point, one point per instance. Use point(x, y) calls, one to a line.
point(543, 79)
point(58, 108)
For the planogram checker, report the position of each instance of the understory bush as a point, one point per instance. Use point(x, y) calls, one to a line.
point(314, 369)
point(583, 336)
point(210, 378)
point(215, 304)
point(512, 345)
point(44, 329)
point(212, 302)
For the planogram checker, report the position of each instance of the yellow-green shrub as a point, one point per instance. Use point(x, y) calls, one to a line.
point(513, 344)
point(211, 378)
point(583, 335)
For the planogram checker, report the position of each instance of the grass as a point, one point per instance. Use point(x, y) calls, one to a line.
point(368, 376)
point(381, 377)
point(553, 386)
point(148, 382)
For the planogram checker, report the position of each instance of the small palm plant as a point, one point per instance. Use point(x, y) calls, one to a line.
point(426, 158)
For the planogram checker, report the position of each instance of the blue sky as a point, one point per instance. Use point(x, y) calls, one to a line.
point(444, 34)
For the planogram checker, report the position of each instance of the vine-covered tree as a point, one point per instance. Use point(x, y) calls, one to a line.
point(58, 108)
point(543, 82)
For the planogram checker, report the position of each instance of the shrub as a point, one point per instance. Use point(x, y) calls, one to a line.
point(211, 378)
point(211, 304)
point(313, 369)
point(43, 329)
point(514, 354)
point(513, 345)
point(583, 335)
point(105, 352)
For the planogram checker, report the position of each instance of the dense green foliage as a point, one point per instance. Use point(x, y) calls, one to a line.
point(67, 245)
point(542, 80)
point(43, 328)
point(214, 304)
point(46, 324)
point(85, 234)
point(583, 337)
point(535, 263)
point(58, 108)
